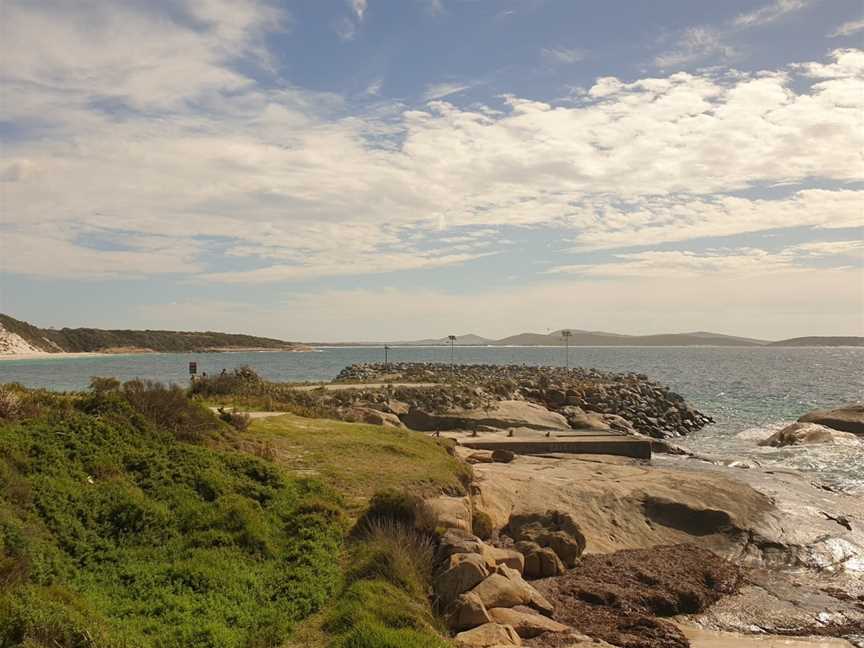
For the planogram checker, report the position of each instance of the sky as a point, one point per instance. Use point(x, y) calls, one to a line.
point(325, 170)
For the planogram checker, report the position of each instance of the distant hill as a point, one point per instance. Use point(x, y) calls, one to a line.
point(820, 341)
point(77, 340)
point(599, 338)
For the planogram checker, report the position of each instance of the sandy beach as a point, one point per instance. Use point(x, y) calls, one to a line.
point(40, 355)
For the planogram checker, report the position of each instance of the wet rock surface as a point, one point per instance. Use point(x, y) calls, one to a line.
point(622, 597)
point(585, 398)
point(809, 434)
point(846, 419)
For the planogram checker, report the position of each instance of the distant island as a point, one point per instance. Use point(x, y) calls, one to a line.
point(601, 338)
point(21, 338)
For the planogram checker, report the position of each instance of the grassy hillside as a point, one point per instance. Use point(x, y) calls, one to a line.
point(134, 518)
point(89, 340)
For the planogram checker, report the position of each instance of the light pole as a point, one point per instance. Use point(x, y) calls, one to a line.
point(566, 334)
point(386, 355)
point(452, 339)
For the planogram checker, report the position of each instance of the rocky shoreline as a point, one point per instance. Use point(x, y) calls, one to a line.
point(555, 551)
point(585, 398)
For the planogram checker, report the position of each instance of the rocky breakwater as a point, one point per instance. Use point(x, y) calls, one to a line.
point(579, 398)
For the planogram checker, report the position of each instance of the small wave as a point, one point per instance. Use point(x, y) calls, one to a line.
point(761, 432)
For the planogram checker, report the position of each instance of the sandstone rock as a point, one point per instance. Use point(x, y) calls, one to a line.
point(490, 635)
point(500, 556)
point(371, 417)
point(579, 419)
point(540, 562)
point(501, 415)
point(503, 456)
point(452, 512)
point(467, 612)
point(553, 529)
point(807, 434)
point(846, 419)
point(479, 456)
point(526, 622)
point(455, 541)
point(463, 573)
point(507, 588)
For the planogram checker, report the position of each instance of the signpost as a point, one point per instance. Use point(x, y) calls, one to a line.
point(566, 334)
point(193, 369)
point(452, 339)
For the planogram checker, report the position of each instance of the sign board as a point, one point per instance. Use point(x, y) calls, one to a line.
point(193, 368)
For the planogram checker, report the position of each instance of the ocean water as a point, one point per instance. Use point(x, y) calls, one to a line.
point(750, 392)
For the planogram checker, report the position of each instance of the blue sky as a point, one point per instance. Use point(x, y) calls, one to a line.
point(391, 169)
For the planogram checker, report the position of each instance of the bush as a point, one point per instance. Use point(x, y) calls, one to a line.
point(169, 409)
point(101, 385)
point(240, 421)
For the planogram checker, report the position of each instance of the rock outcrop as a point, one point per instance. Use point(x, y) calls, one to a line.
point(846, 419)
point(500, 415)
point(809, 434)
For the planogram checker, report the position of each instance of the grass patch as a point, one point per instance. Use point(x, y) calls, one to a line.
point(360, 460)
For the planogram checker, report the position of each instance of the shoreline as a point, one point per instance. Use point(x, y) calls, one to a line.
point(46, 355)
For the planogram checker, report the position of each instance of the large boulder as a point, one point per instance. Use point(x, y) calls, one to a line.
point(490, 635)
point(456, 541)
point(371, 417)
point(809, 434)
point(553, 529)
point(579, 419)
point(467, 612)
point(540, 562)
point(846, 419)
point(526, 622)
point(500, 556)
point(463, 573)
point(452, 512)
point(507, 588)
point(501, 415)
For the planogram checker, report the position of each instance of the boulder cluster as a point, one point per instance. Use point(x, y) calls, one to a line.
point(584, 398)
point(482, 591)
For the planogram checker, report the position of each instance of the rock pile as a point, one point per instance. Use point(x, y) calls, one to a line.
point(584, 398)
point(485, 599)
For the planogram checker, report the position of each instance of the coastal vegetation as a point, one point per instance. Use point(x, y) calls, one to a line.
point(130, 515)
point(88, 340)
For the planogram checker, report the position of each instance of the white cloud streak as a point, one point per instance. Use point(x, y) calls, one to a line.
point(848, 28)
point(771, 13)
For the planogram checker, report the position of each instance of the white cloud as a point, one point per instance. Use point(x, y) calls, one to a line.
point(848, 28)
point(221, 167)
point(770, 13)
point(359, 8)
point(563, 55)
point(445, 89)
point(696, 44)
point(747, 262)
point(434, 7)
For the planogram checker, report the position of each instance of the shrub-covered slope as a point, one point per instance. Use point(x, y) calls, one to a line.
point(115, 533)
point(76, 340)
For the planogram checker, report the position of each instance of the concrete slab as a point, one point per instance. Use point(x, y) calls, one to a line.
point(532, 442)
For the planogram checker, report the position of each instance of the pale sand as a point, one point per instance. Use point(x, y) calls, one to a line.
point(39, 355)
point(709, 639)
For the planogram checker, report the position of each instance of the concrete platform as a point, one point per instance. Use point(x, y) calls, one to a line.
point(565, 442)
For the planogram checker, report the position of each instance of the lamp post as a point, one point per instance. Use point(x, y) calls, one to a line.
point(452, 339)
point(386, 355)
point(566, 334)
